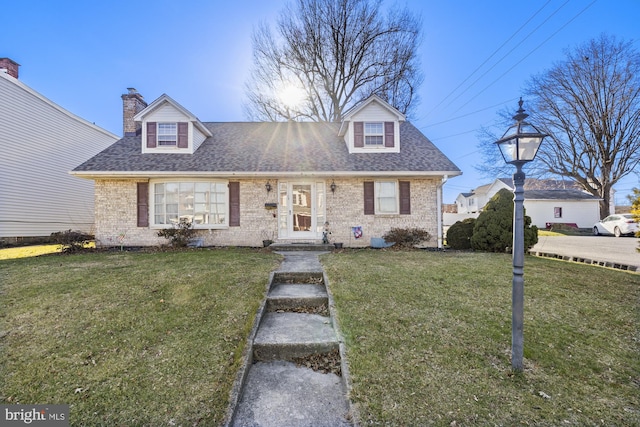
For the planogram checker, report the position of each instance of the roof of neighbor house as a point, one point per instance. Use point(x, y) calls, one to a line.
point(545, 184)
point(272, 148)
point(570, 194)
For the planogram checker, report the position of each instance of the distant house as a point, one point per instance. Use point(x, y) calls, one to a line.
point(546, 202)
point(241, 183)
point(41, 143)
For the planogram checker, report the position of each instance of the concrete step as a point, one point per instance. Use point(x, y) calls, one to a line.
point(284, 336)
point(284, 247)
point(287, 297)
point(293, 277)
point(282, 394)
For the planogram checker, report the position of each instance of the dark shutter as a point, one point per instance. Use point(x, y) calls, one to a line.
point(389, 139)
point(358, 134)
point(143, 204)
point(369, 199)
point(234, 204)
point(405, 197)
point(151, 135)
point(183, 134)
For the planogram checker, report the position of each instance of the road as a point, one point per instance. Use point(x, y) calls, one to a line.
point(620, 250)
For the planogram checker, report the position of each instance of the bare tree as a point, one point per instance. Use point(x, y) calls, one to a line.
point(589, 104)
point(336, 53)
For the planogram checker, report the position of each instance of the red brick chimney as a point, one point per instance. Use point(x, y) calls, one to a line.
point(11, 67)
point(132, 104)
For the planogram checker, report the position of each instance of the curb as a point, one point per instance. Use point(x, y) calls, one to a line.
point(608, 264)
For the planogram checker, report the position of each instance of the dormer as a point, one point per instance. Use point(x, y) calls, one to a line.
point(168, 127)
point(372, 127)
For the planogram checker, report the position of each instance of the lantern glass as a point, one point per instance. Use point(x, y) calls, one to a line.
point(520, 143)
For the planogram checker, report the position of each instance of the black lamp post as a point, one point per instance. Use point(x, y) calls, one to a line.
point(519, 145)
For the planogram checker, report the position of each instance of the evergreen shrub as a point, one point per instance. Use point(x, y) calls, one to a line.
point(493, 230)
point(459, 234)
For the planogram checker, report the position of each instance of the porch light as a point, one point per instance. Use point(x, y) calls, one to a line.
point(267, 186)
point(333, 186)
point(518, 146)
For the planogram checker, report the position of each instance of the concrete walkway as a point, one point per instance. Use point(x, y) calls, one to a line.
point(274, 390)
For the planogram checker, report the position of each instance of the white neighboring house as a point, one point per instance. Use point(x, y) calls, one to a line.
point(545, 201)
point(41, 143)
point(474, 201)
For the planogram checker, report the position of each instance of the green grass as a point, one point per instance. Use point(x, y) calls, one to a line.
point(129, 338)
point(156, 338)
point(428, 339)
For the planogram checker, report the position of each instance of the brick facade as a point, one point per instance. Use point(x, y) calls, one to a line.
point(116, 212)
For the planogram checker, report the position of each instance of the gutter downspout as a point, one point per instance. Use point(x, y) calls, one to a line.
point(439, 210)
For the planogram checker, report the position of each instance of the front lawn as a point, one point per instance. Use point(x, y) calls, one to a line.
point(428, 339)
point(129, 338)
point(156, 338)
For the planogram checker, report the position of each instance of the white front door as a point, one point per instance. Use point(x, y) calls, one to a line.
point(301, 210)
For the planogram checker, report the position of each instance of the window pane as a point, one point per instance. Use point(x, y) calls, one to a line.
point(199, 202)
point(167, 133)
point(387, 205)
point(386, 200)
point(203, 187)
point(373, 140)
point(373, 133)
point(373, 128)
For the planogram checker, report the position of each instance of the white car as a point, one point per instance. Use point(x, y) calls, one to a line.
point(618, 225)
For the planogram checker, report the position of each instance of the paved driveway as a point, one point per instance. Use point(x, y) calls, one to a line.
point(600, 248)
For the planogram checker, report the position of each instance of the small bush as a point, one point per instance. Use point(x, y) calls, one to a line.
point(493, 230)
point(459, 234)
point(71, 241)
point(406, 237)
point(179, 235)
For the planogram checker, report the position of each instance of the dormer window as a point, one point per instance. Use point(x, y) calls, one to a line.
point(372, 127)
point(167, 127)
point(373, 134)
point(167, 134)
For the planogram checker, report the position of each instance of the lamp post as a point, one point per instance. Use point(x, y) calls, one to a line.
point(518, 146)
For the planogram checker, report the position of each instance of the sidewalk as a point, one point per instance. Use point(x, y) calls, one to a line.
point(275, 391)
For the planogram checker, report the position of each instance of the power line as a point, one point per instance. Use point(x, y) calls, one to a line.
point(505, 56)
point(488, 58)
point(527, 55)
point(474, 112)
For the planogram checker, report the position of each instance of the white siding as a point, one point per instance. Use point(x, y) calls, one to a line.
point(166, 113)
point(41, 143)
point(374, 112)
point(583, 213)
point(198, 137)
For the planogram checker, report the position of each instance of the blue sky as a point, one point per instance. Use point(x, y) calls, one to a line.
point(83, 55)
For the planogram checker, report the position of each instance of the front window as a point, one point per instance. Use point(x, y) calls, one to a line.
point(204, 203)
point(167, 134)
point(373, 134)
point(386, 197)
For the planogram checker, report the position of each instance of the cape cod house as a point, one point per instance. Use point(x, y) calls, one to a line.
point(240, 183)
point(41, 142)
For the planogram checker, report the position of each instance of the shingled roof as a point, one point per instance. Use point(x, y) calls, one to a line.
point(272, 148)
point(570, 194)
